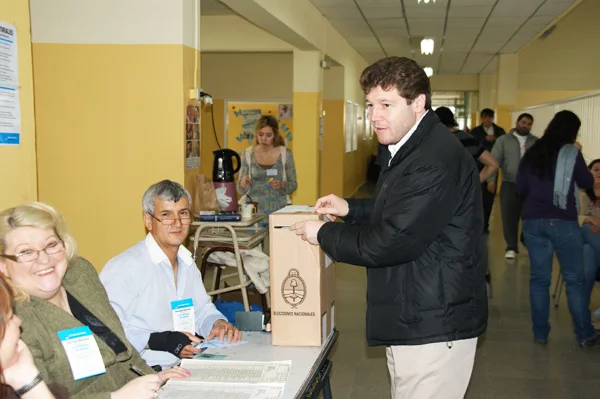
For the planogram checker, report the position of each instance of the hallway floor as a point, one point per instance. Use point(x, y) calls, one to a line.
point(508, 363)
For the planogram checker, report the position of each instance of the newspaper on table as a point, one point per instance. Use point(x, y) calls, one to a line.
point(229, 380)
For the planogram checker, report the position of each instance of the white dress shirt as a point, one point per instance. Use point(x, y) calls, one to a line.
point(489, 130)
point(393, 148)
point(140, 286)
point(522, 143)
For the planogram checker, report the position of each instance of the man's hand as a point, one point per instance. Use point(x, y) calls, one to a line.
point(489, 138)
point(223, 329)
point(331, 206)
point(577, 145)
point(177, 343)
point(491, 186)
point(189, 351)
point(308, 230)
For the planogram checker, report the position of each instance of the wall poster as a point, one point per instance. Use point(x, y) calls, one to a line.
point(192, 137)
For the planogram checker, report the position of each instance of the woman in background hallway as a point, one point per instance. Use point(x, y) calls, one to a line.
point(268, 173)
point(547, 179)
point(590, 221)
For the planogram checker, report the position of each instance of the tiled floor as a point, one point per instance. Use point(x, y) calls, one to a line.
point(508, 364)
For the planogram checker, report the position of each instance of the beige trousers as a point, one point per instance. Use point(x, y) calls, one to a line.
point(432, 371)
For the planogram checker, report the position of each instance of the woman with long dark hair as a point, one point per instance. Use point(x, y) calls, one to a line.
point(549, 175)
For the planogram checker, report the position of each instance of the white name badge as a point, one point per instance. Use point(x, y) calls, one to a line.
point(271, 172)
point(83, 352)
point(184, 319)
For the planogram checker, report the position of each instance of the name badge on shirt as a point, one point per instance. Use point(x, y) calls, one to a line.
point(271, 172)
point(82, 351)
point(184, 319)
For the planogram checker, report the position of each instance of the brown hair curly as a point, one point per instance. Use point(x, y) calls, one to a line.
point(270, 121)
point(400, 72)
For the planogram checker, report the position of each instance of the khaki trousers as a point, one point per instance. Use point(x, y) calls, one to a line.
point(432, 371)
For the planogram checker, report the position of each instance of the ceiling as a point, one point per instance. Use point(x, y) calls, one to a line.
point(468, 34)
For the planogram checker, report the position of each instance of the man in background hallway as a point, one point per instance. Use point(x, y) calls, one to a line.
point(508, 151)
point(487, 133)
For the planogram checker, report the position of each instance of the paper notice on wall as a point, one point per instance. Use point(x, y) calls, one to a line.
point(10, 111)
point(10, 116)
point(249, 119)
point(192, 137)
point(9, 62)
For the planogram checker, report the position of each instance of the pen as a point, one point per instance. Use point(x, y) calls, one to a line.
point(136, 370)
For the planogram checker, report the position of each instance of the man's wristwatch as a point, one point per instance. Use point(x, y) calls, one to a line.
point(28, 387)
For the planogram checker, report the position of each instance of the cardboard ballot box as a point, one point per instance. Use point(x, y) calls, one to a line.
point(302, 283)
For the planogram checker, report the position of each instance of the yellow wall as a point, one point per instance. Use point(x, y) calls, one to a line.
point(247, 76)
point(307, 110)
point(564, 62)
point(232, 33)
point(18, 163)
point(454, 82)
point(531, 98)
point(106, 131)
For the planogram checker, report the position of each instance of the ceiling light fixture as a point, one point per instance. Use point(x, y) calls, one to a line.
point(426, 1)
point(427, 46)
point(428, 71)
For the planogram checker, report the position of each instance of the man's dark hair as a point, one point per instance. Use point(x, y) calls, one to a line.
point(400, 72)
point(525, 115)
point(487, 112)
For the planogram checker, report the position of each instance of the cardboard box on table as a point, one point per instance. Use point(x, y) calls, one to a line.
point(302, 283)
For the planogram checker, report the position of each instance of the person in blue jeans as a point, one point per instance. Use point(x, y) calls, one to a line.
point(589, 212)
point(547, 180)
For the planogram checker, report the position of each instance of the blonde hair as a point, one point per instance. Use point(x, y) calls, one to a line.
point(269, 121)
point(40, 216)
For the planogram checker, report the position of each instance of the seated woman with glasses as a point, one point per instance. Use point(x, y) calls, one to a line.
point(74, 335)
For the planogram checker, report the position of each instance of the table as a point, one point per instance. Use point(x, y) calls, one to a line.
point(311, 366)
point(230, 236)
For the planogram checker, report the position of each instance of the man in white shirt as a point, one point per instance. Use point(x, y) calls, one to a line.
point(156, 288)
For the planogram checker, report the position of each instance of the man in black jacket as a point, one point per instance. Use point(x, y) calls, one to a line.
point(487, 133)
point(419, 238)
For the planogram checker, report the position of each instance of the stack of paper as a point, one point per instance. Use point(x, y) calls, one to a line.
point(229, 380)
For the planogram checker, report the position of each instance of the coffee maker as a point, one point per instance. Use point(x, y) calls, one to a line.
point(223, 172)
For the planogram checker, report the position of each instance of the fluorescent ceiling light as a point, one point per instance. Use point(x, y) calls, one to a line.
point(427, 46)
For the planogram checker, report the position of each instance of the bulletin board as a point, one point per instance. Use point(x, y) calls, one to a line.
point(241, 117)
point(351, 129)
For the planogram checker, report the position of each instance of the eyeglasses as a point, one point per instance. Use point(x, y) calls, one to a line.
point(184, 219)
point(30, 255)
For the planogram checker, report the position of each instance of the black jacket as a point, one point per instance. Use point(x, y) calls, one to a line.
point(420, 239)
point(479, 133)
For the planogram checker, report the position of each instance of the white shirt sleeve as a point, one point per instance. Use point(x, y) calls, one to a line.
point(123, 292)
point(204, 310)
